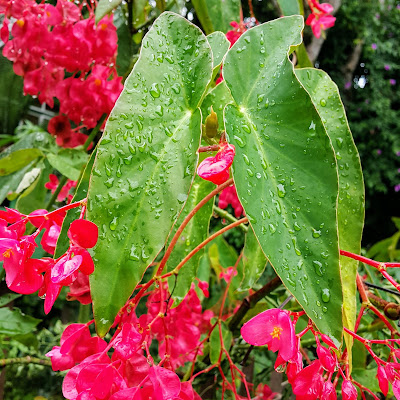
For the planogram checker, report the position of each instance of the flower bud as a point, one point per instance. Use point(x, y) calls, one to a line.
point(211, 124)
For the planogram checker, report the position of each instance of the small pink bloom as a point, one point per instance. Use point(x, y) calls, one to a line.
point(396, 388)
point(80, 290)
point(64, 268)
point(166, 383)
point(229, 196)
point(383, 380)
point(216, 169)
point(328, 360)
point(83, 233)
point(349, 392)
point(308, 384)
point(328, 391)
point(273, 328)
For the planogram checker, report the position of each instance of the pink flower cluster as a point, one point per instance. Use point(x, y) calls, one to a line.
point(62, 55)
point(64, 194)
point(320, 18)
point(27, 275)
point(275, 329)
point(128, 373)
point(229, 196)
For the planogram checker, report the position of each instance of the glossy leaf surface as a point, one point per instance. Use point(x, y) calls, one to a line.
point(254, 261)
point(146, 160)
point(69, 162)
point(194, 233)
point(325, 96)
point(104, 7)
point(73, 214)
point(219, 46)
point(285, 168)
point(216, 15)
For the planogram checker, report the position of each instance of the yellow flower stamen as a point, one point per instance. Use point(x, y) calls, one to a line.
point(276, 333)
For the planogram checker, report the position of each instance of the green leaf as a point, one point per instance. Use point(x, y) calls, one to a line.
point(254, 261)
point(285, 168)
point(195, 232)
point(18, 159)
point(13, 103)
point(146, 160)
point(215, 341)
point(13, 322)
point(219, 46)
point(34, 196)
point(303, 60)
point(73, 214)
point(10, 183)
point(216, 15)
point(325, 96)
point(104, 7)
point(289, 7)
point(69, 162)
point(218, 98)
point(8, 298)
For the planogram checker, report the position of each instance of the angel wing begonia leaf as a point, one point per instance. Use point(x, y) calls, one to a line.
point(146, 160)
point(285, 168)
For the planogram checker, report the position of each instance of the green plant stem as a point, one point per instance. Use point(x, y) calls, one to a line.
point(251, 301)
point(84, 313)
point(229, 217)
point(94, 132)
point(24, 360)
point(53, 198)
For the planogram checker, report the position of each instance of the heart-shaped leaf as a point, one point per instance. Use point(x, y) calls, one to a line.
point(285, 168)
point(146, 160)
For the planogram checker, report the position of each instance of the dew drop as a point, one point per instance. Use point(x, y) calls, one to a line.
point(326, 295)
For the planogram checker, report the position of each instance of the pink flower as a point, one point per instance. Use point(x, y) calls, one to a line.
point(76, 344)
point(328, 360)
point(309, 383)
point(273, 328)
point(349, 392)
point(319, 23)
point(328, 391)
point(80, 290)
point(383, 380)
point(64, 194)
point(216, 169)
point(229, 196)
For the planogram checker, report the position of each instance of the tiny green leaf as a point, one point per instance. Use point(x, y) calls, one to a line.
point(104, 7)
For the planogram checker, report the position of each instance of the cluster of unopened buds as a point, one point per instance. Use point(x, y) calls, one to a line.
point(320, 18)
point(62, 55)
point(25, 274)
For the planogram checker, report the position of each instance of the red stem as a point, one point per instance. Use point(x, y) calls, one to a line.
point(186, 221)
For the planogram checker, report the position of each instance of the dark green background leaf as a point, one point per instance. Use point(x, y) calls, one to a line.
point(13, 322)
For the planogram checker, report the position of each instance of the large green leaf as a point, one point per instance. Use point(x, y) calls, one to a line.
point(254, 261)
point(325, 96)
point(195, 232)
point(73, 214)
point(18, 159)
point(146, 160)
point(216, 15)
point(289, 7)
point(69, 162)
point(285, 168)
point(13, 322)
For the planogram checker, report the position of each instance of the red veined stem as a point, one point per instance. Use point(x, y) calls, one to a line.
point(186, 221)
point(365, 260)
point(358, 321)
point(208, 240)
point(362, 388)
